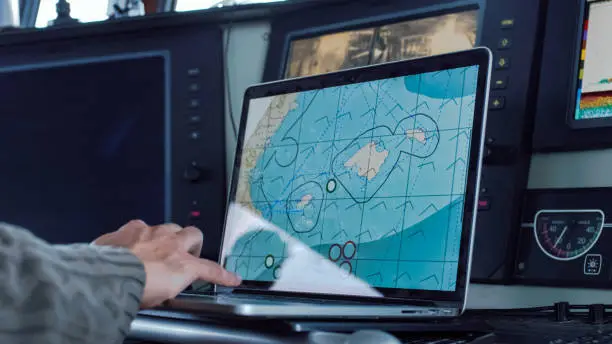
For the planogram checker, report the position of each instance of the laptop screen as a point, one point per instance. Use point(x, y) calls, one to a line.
point(370, 178)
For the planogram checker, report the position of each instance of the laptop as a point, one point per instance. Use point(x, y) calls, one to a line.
point(354, 193)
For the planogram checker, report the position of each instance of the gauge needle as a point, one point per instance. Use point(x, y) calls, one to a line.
point(561, 236)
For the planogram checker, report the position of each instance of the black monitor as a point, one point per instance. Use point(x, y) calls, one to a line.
point(342, 34)
point(575, 96)
point(104, 123)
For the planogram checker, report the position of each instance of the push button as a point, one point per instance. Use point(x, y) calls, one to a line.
point(497, 103)
point(502, 63)
point(504, 43)
point(484, 204)
point(592, 264)
point(195, 119)
point(193, 71)
point(500, 83)
point(507, 23)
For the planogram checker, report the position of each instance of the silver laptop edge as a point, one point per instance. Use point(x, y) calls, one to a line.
point(485, 114)
point(278, 308)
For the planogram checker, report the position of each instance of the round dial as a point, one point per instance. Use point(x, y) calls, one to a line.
point(568, 234)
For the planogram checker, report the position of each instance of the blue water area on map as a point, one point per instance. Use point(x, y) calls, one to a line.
point(257, 255)
point(443, 85)
point(304, 206)
point(376, 261)
point(381, 164)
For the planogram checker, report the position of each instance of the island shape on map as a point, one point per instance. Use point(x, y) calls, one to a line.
point(367, 160)
point(417, 134)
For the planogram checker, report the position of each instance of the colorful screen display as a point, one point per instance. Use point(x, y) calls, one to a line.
point(594, 98)
point(371, 177)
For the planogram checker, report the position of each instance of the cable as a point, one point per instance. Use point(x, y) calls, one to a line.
point(228, 92)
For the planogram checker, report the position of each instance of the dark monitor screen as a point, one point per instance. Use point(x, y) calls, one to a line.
point(407, 39)
point(594, 94)
point(84, 145)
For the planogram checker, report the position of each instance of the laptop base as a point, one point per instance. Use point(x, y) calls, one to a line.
point(267, 306)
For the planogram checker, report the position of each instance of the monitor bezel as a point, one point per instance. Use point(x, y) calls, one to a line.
point(480, 57)
point(572, 105)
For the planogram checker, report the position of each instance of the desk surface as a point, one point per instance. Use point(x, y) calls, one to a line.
point(181, 331)
point(181, 328)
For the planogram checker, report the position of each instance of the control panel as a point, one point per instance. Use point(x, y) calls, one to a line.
point(196, 175)
point(565, 238)
point(511, 30)
point(199, 142)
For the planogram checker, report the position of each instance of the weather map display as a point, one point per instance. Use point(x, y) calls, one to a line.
point(372, 176)
point(595, 79)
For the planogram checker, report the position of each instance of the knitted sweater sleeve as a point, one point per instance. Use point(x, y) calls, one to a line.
point(65, 294)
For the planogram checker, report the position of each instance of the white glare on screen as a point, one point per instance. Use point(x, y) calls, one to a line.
point(192, 5)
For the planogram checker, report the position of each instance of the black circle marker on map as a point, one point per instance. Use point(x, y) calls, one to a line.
point(347, 266)
point(349, 249)
point(275, 272)
point(335, 252)
point(269, 261)
point(331, 185)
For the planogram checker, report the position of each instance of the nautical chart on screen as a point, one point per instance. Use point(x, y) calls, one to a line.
point(371, 176)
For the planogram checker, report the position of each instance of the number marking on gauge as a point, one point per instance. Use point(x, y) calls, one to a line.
point(567, 234)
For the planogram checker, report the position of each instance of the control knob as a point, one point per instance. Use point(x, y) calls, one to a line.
point(194, 173)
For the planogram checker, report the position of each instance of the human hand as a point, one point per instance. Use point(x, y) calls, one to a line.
point(170, 255)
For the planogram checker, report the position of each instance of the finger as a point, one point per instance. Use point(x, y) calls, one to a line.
point(134, 225)
point(166, 229)
point(191, 240)
point(212, 272)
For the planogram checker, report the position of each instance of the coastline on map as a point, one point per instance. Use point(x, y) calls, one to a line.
point(367, 161)
point(255, 145)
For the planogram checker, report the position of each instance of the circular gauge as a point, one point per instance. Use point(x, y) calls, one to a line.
point(567, 234)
